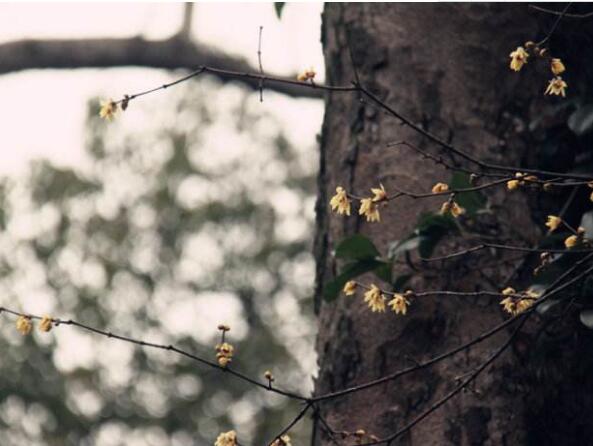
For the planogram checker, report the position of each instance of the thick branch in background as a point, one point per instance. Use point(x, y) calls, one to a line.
point(174, 53)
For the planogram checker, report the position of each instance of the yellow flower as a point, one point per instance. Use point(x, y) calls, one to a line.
point(284, 440)
point(108, 109)
point(553, 222)
point(375, 299)
point(224, 354)
point(369, 209)
point(451, 207)
point(509, 305)
point(557, 66)
point(306, 75)
point(227, 439)
point(399, 304)
point(24, 325)
point(515, 306)
point(379, 193)
point(512, 184)
point(340, 202)
point(518, 58)
point(508, 291)
point(439, 188)
point(350, 288)
point(46, 324)
point(557, 86)
point(571, 241)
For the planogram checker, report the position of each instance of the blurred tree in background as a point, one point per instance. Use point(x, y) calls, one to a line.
point(207, 211)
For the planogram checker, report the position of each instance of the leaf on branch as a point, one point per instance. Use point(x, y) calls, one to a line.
point(431, 229)
point(278, 7)
point(357, 247)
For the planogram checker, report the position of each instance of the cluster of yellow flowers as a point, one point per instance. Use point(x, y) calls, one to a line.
point(557, 86)
point(369, 207)
point(25, 326)
point(224, 350)
point(571, 241)
point(224, 354)
point(520, 180)
point(516, 303)
point(306, 75)
point(226, 439)
point(452, 208)
point(378, 301)
point(449, 207)
point(230, 439)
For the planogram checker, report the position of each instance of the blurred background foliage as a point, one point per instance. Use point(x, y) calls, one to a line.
point(200, 215)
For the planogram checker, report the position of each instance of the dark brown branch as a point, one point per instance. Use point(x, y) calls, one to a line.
point(171, 348)
point(170, 54)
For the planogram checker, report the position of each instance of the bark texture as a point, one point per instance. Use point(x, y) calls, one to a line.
point(445, 65)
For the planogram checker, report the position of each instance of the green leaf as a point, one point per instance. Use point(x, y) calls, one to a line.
point(357, 247)
point(581, 121)
point(471, 201)
point(350, 271)
point(586, 318)
point(432, 228)
point(278, 7)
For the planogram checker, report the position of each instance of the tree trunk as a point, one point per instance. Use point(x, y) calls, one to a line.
point(446, 67)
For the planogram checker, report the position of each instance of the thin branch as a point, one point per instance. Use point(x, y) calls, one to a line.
point(293, 423)
point(506, 248)
point(564, 13)
point(261, 67)
point(472, 376)
point(456, 151)
point(555, 25)
point(551, 290)
point(108, 334)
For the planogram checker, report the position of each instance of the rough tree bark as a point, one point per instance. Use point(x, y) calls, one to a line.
point(445, 65)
